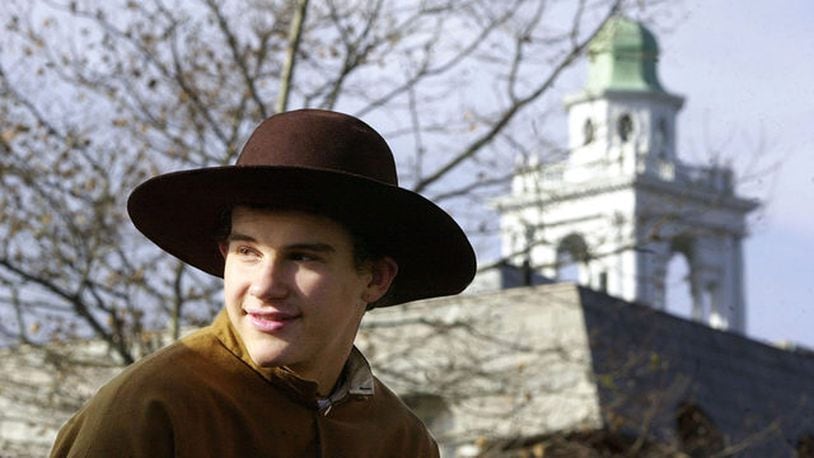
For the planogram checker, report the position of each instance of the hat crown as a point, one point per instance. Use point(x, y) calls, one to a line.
point(323, 140)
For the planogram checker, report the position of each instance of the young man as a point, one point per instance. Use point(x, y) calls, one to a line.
point(308, 230)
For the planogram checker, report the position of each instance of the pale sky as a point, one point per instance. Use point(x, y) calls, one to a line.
point(746, 68)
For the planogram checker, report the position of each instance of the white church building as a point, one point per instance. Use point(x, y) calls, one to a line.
point(623, 203)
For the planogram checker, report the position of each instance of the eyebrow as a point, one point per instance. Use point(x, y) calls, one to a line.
point(316, 247)
point(309, 246)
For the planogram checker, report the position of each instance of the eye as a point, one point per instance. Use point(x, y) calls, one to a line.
point(302, 256)
point(244, 250)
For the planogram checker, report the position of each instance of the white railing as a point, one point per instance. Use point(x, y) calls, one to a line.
point(715, 178)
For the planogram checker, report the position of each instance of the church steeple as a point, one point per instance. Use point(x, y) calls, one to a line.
point(624, 114)
point(623, 56)
point(622, 203)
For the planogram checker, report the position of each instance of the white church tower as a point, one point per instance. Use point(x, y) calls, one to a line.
point(622, 203)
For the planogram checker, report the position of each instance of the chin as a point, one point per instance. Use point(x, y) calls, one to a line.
point(268, 357)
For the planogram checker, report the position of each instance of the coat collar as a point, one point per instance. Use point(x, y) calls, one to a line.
point(356, 378)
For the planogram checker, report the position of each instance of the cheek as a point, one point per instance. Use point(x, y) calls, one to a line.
point(234, 283)
point(314, 284)
point(330, 288)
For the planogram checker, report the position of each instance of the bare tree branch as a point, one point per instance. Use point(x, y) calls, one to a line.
point(240, 61)
point(507, 115)
point(294, 35)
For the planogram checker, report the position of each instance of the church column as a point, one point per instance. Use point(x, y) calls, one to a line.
point(653, 260)
point(719, 315)
point(738, 306)
point(624, 260)
point(719, 284)
point(697, 291)
point(710, 283)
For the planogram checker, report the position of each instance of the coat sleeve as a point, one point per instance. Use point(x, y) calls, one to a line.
point(114, 423)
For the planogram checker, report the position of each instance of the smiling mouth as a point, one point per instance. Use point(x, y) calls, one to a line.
point(271, 322)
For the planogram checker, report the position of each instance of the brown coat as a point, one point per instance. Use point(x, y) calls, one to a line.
point(204, 397)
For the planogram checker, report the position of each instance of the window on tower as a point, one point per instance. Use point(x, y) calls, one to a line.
point(625, 127)
point(661, 138)
point(587, 132)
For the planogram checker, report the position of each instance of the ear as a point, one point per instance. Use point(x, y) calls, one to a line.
point(383, 272)
point(223, 247)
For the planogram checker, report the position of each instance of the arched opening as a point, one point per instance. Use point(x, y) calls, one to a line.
point(678, 294)
point(678, 279)
point(697, 433)
point(572, 259)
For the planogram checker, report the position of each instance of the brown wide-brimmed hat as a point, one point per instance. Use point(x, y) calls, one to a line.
point(320, 161)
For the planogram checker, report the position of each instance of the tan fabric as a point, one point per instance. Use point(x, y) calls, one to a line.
point(203, 397)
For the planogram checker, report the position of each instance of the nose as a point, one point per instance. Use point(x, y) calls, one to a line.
point(269, 281)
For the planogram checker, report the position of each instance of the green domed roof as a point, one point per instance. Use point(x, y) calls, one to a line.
point(623, 56)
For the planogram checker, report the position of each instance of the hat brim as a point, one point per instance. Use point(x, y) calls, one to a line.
point(181, 213)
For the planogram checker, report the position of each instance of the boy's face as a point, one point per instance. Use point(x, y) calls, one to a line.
point(292, 290)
